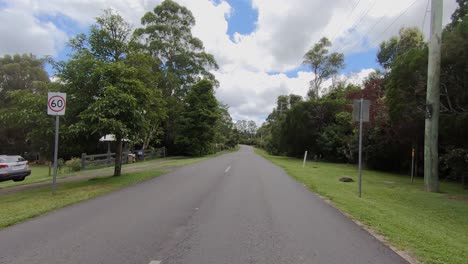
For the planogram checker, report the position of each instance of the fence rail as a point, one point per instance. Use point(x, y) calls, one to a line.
point(108, 159)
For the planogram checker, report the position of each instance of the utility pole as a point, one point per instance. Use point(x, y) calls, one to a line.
point(431, 135)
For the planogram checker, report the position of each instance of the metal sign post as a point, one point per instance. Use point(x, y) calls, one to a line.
point(412, 165)
point(56, 104)
point(361, 114)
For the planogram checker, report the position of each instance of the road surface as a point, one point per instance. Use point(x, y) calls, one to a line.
point(237, 208)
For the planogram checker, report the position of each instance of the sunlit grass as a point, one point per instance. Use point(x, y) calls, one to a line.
point(17, 207)
point(40, 173)
point(431, 226)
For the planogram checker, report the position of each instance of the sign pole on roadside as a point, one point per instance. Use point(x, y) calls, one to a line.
point(360, 147)
point(361, 114)
point(56, 104)
point(412, 165)
point(54, 181)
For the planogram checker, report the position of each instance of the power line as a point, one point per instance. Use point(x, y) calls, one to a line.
point(349, 14)
point(368, 30)
point(364, 15)
point(359, 21)
point(393, 22)
point(425, 15)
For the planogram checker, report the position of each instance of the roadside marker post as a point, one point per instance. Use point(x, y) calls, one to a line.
point(361, 114)
point(56, 105)
point(305, 159)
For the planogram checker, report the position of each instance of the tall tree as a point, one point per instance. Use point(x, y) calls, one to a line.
point(251, 127)
point(397, 46)
point(324, 65)
point(110, 90)
point(197, 121)
point(166, 34)
point(404, 57)
point(21, 72)
point(23, 88)
point(226, 135)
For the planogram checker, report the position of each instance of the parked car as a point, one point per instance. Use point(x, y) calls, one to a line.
point(14, 168)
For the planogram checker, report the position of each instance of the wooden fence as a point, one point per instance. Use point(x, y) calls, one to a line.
point(101, 160)
point(151, 153)
point(108, 159)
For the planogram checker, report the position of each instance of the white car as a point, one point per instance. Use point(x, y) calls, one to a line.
point(14, 168)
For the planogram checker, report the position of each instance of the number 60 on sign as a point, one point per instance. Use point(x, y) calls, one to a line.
point(56, 103)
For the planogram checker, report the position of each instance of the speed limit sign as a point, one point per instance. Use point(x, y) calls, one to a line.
point(56, 103)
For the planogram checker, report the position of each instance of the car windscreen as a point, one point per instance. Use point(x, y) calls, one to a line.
point(10, 159)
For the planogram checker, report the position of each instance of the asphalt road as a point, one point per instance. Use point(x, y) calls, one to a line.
point(236, 208)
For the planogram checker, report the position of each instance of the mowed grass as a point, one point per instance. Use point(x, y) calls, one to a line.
point(25, 204)
point(433, 227)
point(40, 173)
point(17, 207)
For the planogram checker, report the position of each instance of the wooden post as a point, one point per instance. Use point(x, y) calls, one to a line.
point(83, 161)
point(109, 157)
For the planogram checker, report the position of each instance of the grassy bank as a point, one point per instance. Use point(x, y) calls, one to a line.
point(17, 207)
point(431, 226)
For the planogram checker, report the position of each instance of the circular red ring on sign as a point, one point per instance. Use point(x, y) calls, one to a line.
point(64, 103)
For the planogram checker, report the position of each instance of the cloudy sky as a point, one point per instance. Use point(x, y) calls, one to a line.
point(259, 44)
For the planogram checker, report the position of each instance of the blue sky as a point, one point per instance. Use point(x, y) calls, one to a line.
point(243, 18)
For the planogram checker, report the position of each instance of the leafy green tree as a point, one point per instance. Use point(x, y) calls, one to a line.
point(25, 125)
point(405, 59)
point(324, 65)
point(226, 136)
point(196, 131)
point(147, 71)
point(23, 93)
point(111, 86)
point(459, 15)
point(166, 35)
point(21, 72)
point(397, 46)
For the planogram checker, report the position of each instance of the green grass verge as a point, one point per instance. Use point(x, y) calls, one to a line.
point(431, 226)
point(17, 207)
point(40, 173)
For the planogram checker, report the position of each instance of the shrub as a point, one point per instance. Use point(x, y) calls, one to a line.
point(454, 163)
point(60, 163)
point(74, 164)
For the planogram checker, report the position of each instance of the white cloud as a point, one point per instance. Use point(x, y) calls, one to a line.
point(252, 95)
point(284, 31)
point(22, 33)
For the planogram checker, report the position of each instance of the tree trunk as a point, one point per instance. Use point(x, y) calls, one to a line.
point(118, 157)
point(148, 137)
